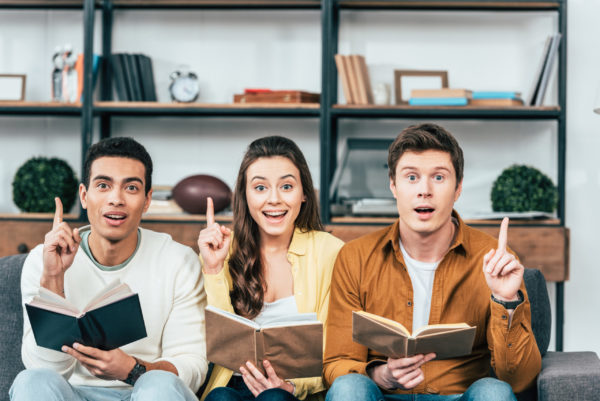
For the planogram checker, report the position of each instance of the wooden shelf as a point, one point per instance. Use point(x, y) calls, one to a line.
point(472, 222)
point(522, 5)
point(219, 4)
point(208, 109)
point(42, 4)
point(36, 216)
point(40, 108)
point(185, 218)
point(453, 112)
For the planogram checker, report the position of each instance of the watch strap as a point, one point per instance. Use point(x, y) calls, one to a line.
point(510, 304)
point(135, 373)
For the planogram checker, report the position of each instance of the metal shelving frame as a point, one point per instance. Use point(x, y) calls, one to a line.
point(331, 113)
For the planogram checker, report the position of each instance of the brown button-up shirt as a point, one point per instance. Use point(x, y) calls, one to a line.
point(370, 275)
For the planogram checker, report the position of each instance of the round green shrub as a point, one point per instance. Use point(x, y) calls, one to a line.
point(522, 189)
point(40, 180)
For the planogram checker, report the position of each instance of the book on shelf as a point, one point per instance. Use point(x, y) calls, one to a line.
point(277, 96)
point(340, 64)
point(495, 95)
point(133, 77)
point(500, 102)
point(354, 74)
point(441, 93)
point(110, 320)
point(544, 70)
point(393, 340)
point(292, 344)
point(438, 101)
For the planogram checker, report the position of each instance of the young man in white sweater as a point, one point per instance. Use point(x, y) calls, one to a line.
point(170, 363)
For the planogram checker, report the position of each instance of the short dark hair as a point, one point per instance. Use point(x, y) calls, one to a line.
point(118, 147)
point(422, 137)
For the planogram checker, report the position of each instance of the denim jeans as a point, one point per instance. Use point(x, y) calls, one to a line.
point(237, 390)
point(355, 387)
point(45, 384)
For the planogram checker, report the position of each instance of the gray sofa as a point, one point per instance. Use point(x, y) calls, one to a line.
point(564, 376)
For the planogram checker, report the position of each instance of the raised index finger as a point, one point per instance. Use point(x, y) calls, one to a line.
point(210, 212)
point(58, 213)
point(503, 235)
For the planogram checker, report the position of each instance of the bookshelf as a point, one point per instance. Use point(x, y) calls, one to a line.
point(96, 114)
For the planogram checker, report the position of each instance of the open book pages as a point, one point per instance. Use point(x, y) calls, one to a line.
point(421, 331)
point(48, 300)
point(279, 321)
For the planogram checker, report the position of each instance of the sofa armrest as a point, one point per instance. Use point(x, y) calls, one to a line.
point(569, 376)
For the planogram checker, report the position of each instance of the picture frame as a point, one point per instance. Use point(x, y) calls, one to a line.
point(407, 80)
point(12, 87)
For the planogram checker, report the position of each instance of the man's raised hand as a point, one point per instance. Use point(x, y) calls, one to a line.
point(213, 241)
point(503, 272)
point(60, 247)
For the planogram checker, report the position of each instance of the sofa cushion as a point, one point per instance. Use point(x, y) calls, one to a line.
point(541, 315)
point(11, 316)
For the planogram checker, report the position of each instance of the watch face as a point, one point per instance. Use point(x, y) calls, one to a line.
point(184, 88)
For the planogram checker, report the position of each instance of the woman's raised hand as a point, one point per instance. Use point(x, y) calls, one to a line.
point(213, 241)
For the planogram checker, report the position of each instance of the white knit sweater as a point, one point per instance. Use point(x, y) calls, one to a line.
point(168, 279)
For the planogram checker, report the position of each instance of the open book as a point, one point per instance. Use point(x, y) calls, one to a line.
point(394, 340)
point(293, 344)
point(110, 320)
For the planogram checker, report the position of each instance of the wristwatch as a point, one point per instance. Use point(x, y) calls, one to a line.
point(138, 370)
point(510, 304)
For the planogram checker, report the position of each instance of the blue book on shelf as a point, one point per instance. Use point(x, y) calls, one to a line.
point(438, 101)
point(495, 95)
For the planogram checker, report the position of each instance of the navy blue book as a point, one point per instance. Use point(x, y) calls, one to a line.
point(110, 320)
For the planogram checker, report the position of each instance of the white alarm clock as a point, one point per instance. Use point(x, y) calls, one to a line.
point(184, 86)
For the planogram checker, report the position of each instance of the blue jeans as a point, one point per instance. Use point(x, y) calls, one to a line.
point(45, 384)
point(237, 390)
point(355, 387)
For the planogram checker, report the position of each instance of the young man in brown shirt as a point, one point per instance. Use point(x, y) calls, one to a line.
point(430, 268)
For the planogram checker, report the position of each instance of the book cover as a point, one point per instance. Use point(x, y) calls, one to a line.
point(277, 97)
point(118, 73)
point(552, 55)
point(147, 74)
point(112, 319)
point(293, 345)
point(438, 101)
point(128, 74)
point(539, 72)
point(133, 74)
point(495, 95)
point(497, 102)
point(395, 341)
point(353, 79)
point(440, 93)
point(360, 79)
point(367, 81)
point(343, 74)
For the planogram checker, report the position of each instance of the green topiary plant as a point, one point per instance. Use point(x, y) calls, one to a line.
point(523, 189)
point(40, 180)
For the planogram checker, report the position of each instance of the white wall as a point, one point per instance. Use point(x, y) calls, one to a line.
point(281, 50)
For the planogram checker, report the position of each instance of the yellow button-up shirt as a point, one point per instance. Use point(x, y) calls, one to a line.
point(312, 256)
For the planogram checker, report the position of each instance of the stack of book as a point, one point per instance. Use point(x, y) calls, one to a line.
point(354, 75)
point(496, 98)
point(133, 77)
point(439, 97)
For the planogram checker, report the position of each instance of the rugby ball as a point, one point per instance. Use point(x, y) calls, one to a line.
point(191, 193)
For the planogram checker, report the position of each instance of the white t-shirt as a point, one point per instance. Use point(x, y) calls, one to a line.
point(166, 275)
point(421, 275)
